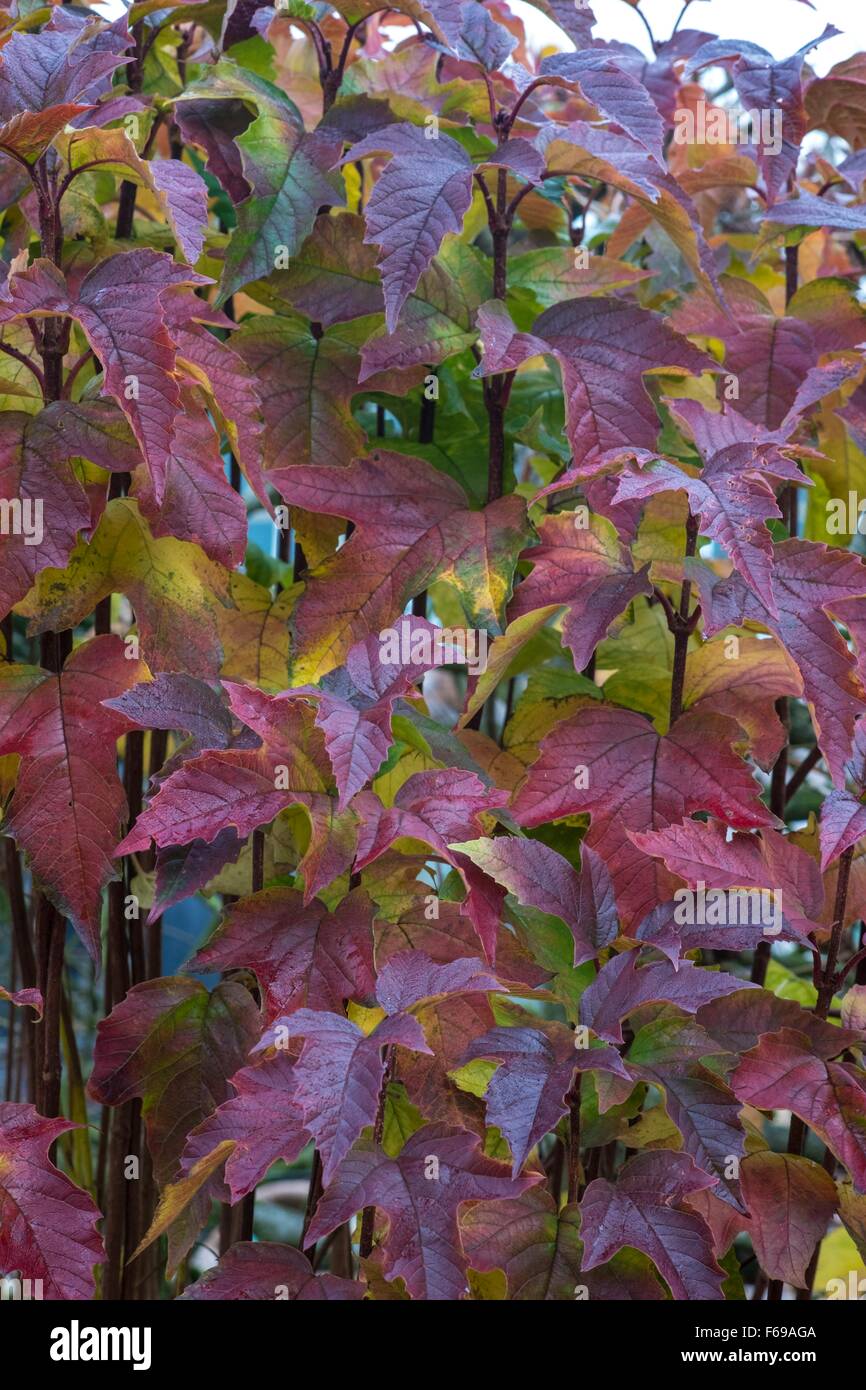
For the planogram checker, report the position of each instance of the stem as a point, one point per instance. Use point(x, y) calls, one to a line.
point(573, 1099)
point(368, 1220)
point(314, 1192)
point(129, 191)
point(681, 629)
point(826, 989)
point(798, 777)
point(780, 789)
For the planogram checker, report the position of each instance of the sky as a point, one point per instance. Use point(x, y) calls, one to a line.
point(780, 26)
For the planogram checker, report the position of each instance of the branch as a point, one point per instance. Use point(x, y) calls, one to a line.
point(25, 362)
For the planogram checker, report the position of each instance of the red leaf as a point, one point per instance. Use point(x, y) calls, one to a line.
point(529, 1092)
point(621, 987)
point(783, 1073)
point(268, 1271)
point(47, 1224)
point(422, 1246)
point(644, 1209)
point(423, 194)
point(302, 956)
point(630, 778)
point(68, 804)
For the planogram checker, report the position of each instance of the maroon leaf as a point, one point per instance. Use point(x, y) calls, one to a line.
point(421, 1191)
point(268, 1271)
point(423, 194)
point(644, 1209)
point(529, 1092)
point(263, 1119)
point(303, 956)
point(68, 804)
point(613, 763)
point(119, 307)
point(339, 1075)
point(782, 1072)
point(809, 582)
point(539, 877)
point(622, 986)
point(589, 569)
point(35, 457)
point(705, 853)
point(791, 1201)
point(47, 1224)
point(60, 63)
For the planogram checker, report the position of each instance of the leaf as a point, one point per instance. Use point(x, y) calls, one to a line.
point(554, 273)
point(630, 779)
point(586, 567)
point(536, 1246)
point(622, 986)
point(356, 702)
point(616, 94)
point(62, 62)
point(782, 1072)
point(733, 499)
point(411, 977)
point(262, 1122)
point(738, 1022)
point(266, 1270)
point(303, 956)
point(27, 135)
point(761, 84)
point(198, 504)
point(68, 804)
point(174, 1045)
point(706, 853)
point(603, 347)
point(852, 1211)
point(706, 1112)
point(177, 592)
point(437, 320)
point(306, 380)
point(423, 194)
point(411, 526)
point(119, 308)
point(285, 167)
point(644, 1210)
point(843, 823)
point(177, 701)
point(24, 998)
point(809, 582)
point(791, 1200)
point(539, 877)
point(36, 454)
point(229, 387)
point(339, 1075)
point(422, 1246)
point(529, 1092)
point(180, 191)
point(47, 1224)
